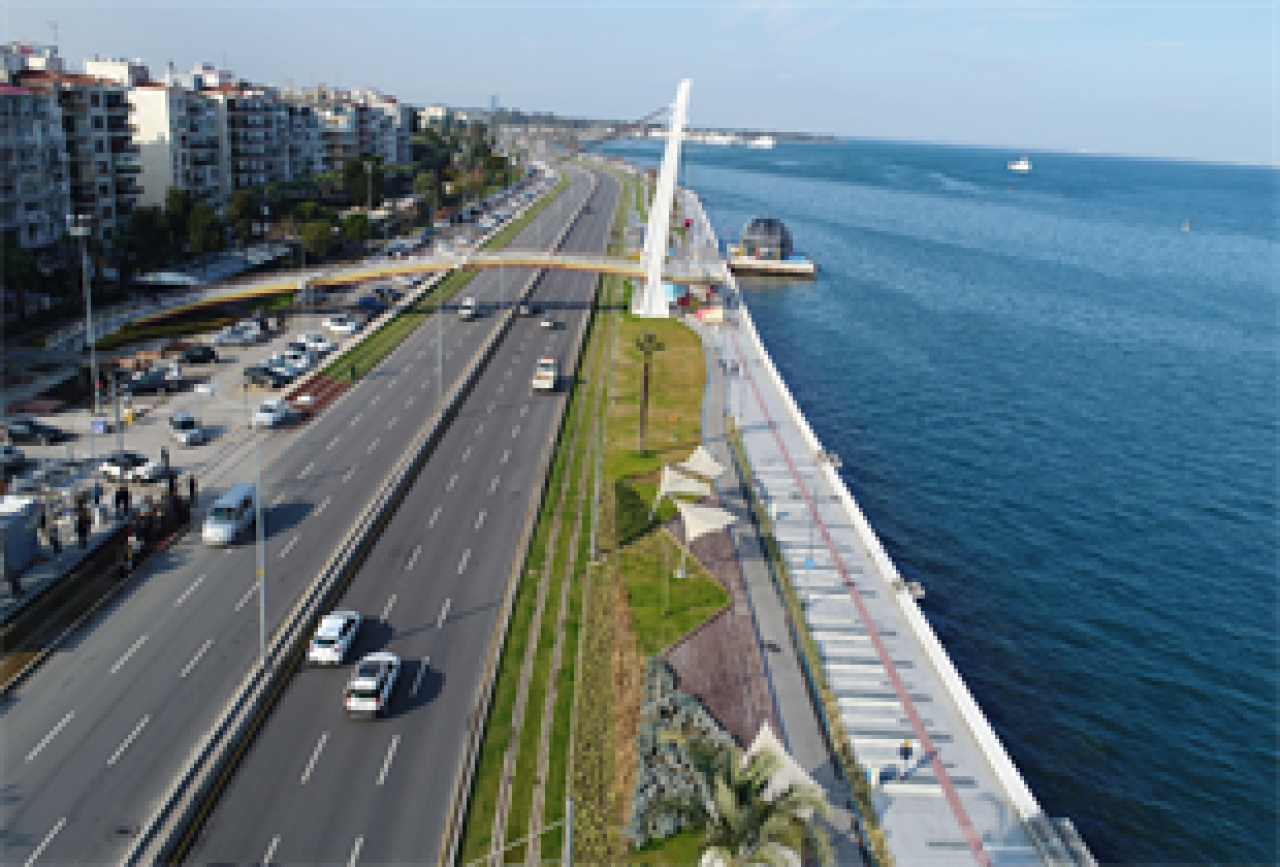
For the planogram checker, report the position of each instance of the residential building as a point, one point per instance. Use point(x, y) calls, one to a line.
point(34, 190)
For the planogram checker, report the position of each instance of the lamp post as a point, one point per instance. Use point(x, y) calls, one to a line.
point(78, 226)
point(261, 540)
point(368, 192)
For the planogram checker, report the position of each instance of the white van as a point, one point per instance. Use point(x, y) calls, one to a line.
point(231, 515)
point(468, 309)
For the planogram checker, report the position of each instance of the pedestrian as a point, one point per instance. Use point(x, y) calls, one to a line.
point(172, 482)
point(191, 490)
point(905, 750)
point(83, 525)
point(164, 460)
point(54, 542)
point(97, 493)
point(122, 501)
point(42, 520)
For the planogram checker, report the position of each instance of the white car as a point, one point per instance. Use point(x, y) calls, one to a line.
point(368, 692)
point(334, 637)
point(468, 309)
point(342, 324)
point(303, 361)
point(285, 367)
point(130, 467)
point(316, 342)
point(271, 413)
point(186, 429)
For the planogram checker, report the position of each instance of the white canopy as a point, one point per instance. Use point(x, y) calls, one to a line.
point(676, 482)
point(699, 520)
point(702, 464)
point(790, 774)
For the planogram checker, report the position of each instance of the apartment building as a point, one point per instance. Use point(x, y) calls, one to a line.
point(34, 189)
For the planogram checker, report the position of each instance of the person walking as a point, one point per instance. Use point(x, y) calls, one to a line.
point(164, 460)
point(97, 493)
point(54, 542)
point(83, 525)
point(191, 490)
point(905, 750)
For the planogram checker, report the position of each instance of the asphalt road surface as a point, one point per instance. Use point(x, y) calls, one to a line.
point(317, 787)
point(93, 739)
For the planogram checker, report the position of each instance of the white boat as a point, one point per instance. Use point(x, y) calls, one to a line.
point(763, 141)
point(1022, 164)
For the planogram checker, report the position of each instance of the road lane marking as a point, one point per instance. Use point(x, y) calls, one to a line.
point(315, 755)
point(515, 431)
point(376, 398)
point(355, 852)
point(284, 552)
point(524, 410)
point(462, 564)
point(492, 406)
point(323, 505)
point(413, 558)
point(128, 653)
point(480, 429)
point(444, 612)
point(279, 499)
point(194, 584)
point(248, 594)
point(386, 763)
point(449, 354)
point(453, 480)
point(506, 453)
point(271, 850)
point(306, 472)
point(333, 442)
point(356, 419)
point(44, 844)
point(392, 423)
point(422, 353)
point(386, 612)
point(45, 741)
point(392, 383)
point(199, 653)
point(137, 730)
point(408, 403)
point(510, 370)
point(373, 445)
point(425, 383)
point(351, 472)
point(501, 386)
point(493, 486)
point(422, 670)
point(435, 514)
point(480, 519)
point(467, 453)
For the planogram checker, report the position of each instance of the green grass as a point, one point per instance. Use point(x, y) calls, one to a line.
point(649, 563)
point(684, 849)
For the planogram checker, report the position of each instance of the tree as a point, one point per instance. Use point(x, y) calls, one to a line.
point(356, 179)
point(241, 210)
point(204, 231)
point(317, 235)
point(19, 273)
point(312, 212)
point(648, 344)
point(357, 227)
point(145, 237)
point(741, 822)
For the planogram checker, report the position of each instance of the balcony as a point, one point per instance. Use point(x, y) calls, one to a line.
point(128, 164)
point(128, 188)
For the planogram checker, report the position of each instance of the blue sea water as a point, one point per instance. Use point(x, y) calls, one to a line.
point(1059, 411)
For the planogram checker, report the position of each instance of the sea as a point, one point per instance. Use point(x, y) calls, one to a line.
point(1055, 396)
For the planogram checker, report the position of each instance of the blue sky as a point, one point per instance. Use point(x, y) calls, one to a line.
point(1170, 79)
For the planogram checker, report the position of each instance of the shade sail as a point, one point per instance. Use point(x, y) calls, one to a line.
point(702, 464)
point(700, 520)
point(790, 774)
point(676, 482)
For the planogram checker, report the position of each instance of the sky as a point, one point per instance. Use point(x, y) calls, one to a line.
point(1172, 79)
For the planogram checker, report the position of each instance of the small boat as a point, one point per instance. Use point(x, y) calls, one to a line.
point(1186, 225)
point(1022, 164)
point(764, 142)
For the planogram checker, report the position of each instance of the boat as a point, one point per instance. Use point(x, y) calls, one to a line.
point(765, 142)
point(1022, 164)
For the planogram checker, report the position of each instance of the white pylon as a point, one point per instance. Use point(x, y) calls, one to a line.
point(651, 300)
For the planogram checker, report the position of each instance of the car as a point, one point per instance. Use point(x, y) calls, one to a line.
point(28, 430)
point(184, 428)
point(547, 321)
point(271, 413)
point(342, 324)
point(371, 304)
point(368, 692)
point(469, 309)
point(130, 467)
point(387, 293)
point(12, 459)
point(235, 336)
point(146, 381)
point(199, 354)
point(334, 638)
point(526, 309)
point(281, 363)
point(265, 377)
point(303, 359)
point(316, 342)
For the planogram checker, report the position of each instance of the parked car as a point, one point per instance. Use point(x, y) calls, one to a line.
point(316, 342)
point(145, 382)
point(284, 366)
point(369, 691)
point(184, 428)
point(199, 354)
point(265, 377)
point(271, 413)
point(12, 459)
point(130, 467)
point(371, 304)
point(334, 638)
point(28, 430)
point(342, 324)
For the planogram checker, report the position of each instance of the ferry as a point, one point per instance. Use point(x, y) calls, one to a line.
point(1020, 165)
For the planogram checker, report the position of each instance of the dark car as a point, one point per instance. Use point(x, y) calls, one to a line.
point(265, 377)
point(387, 292)
point(26, 430)
point(198, 355)
point(142, 383)
point(373, 305)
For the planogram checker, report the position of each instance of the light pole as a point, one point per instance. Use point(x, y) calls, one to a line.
point(261, 540)
point(368, 193)
point(78, 226)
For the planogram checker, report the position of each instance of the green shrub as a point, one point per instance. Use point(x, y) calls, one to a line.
point(632, 512)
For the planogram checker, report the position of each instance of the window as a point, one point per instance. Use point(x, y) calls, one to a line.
point(99, 147)
point(97, 122)
point(94, 100)
point(104, 190)
point(102, 168)
point(106, 213)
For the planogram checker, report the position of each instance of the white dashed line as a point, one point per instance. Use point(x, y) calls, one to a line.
point(422, 353)
point(199, 653)
point(44, 844)
point(248, 594)
point(271, 850)
point(284, 552)
point(462, 564)
point(45, 741)
point(392, 423)
point(375, 399)
point(434, 514)
point(492, 406)
point(128, 653)
point(356, 419)
point(333, 442)
point(386, 611)
point(189, 590)
point(306, 472)
point(493, 486)
point(467, 453)
point(480, 429)
point(524, 410)
point(515, 431)
point(453, 480)
point(349, 473)
point(480, 518)
point(355, 852)
point(501, 386)
point(315, 756)
point(373, 445)
point(392, 383)
point(279, 499)
point(409, 402)
point(386, 763)
point(444, 612)
point(137, 730)
point(506, 453)
point(323, 505)
point(422, 670)
point(413, 558)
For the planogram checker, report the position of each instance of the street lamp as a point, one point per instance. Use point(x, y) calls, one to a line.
point(368, 193)
point(78, 225)
point(261, 540)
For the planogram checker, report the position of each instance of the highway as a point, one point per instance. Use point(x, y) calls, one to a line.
point(92, 740)
point(317, 787)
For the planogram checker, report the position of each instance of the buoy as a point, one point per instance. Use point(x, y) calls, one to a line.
point(1186, 225)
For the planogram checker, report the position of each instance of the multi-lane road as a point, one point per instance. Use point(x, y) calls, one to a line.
point(93, 739)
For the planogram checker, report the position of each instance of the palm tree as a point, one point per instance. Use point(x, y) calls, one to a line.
point(648, 343)
point(741, 821)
